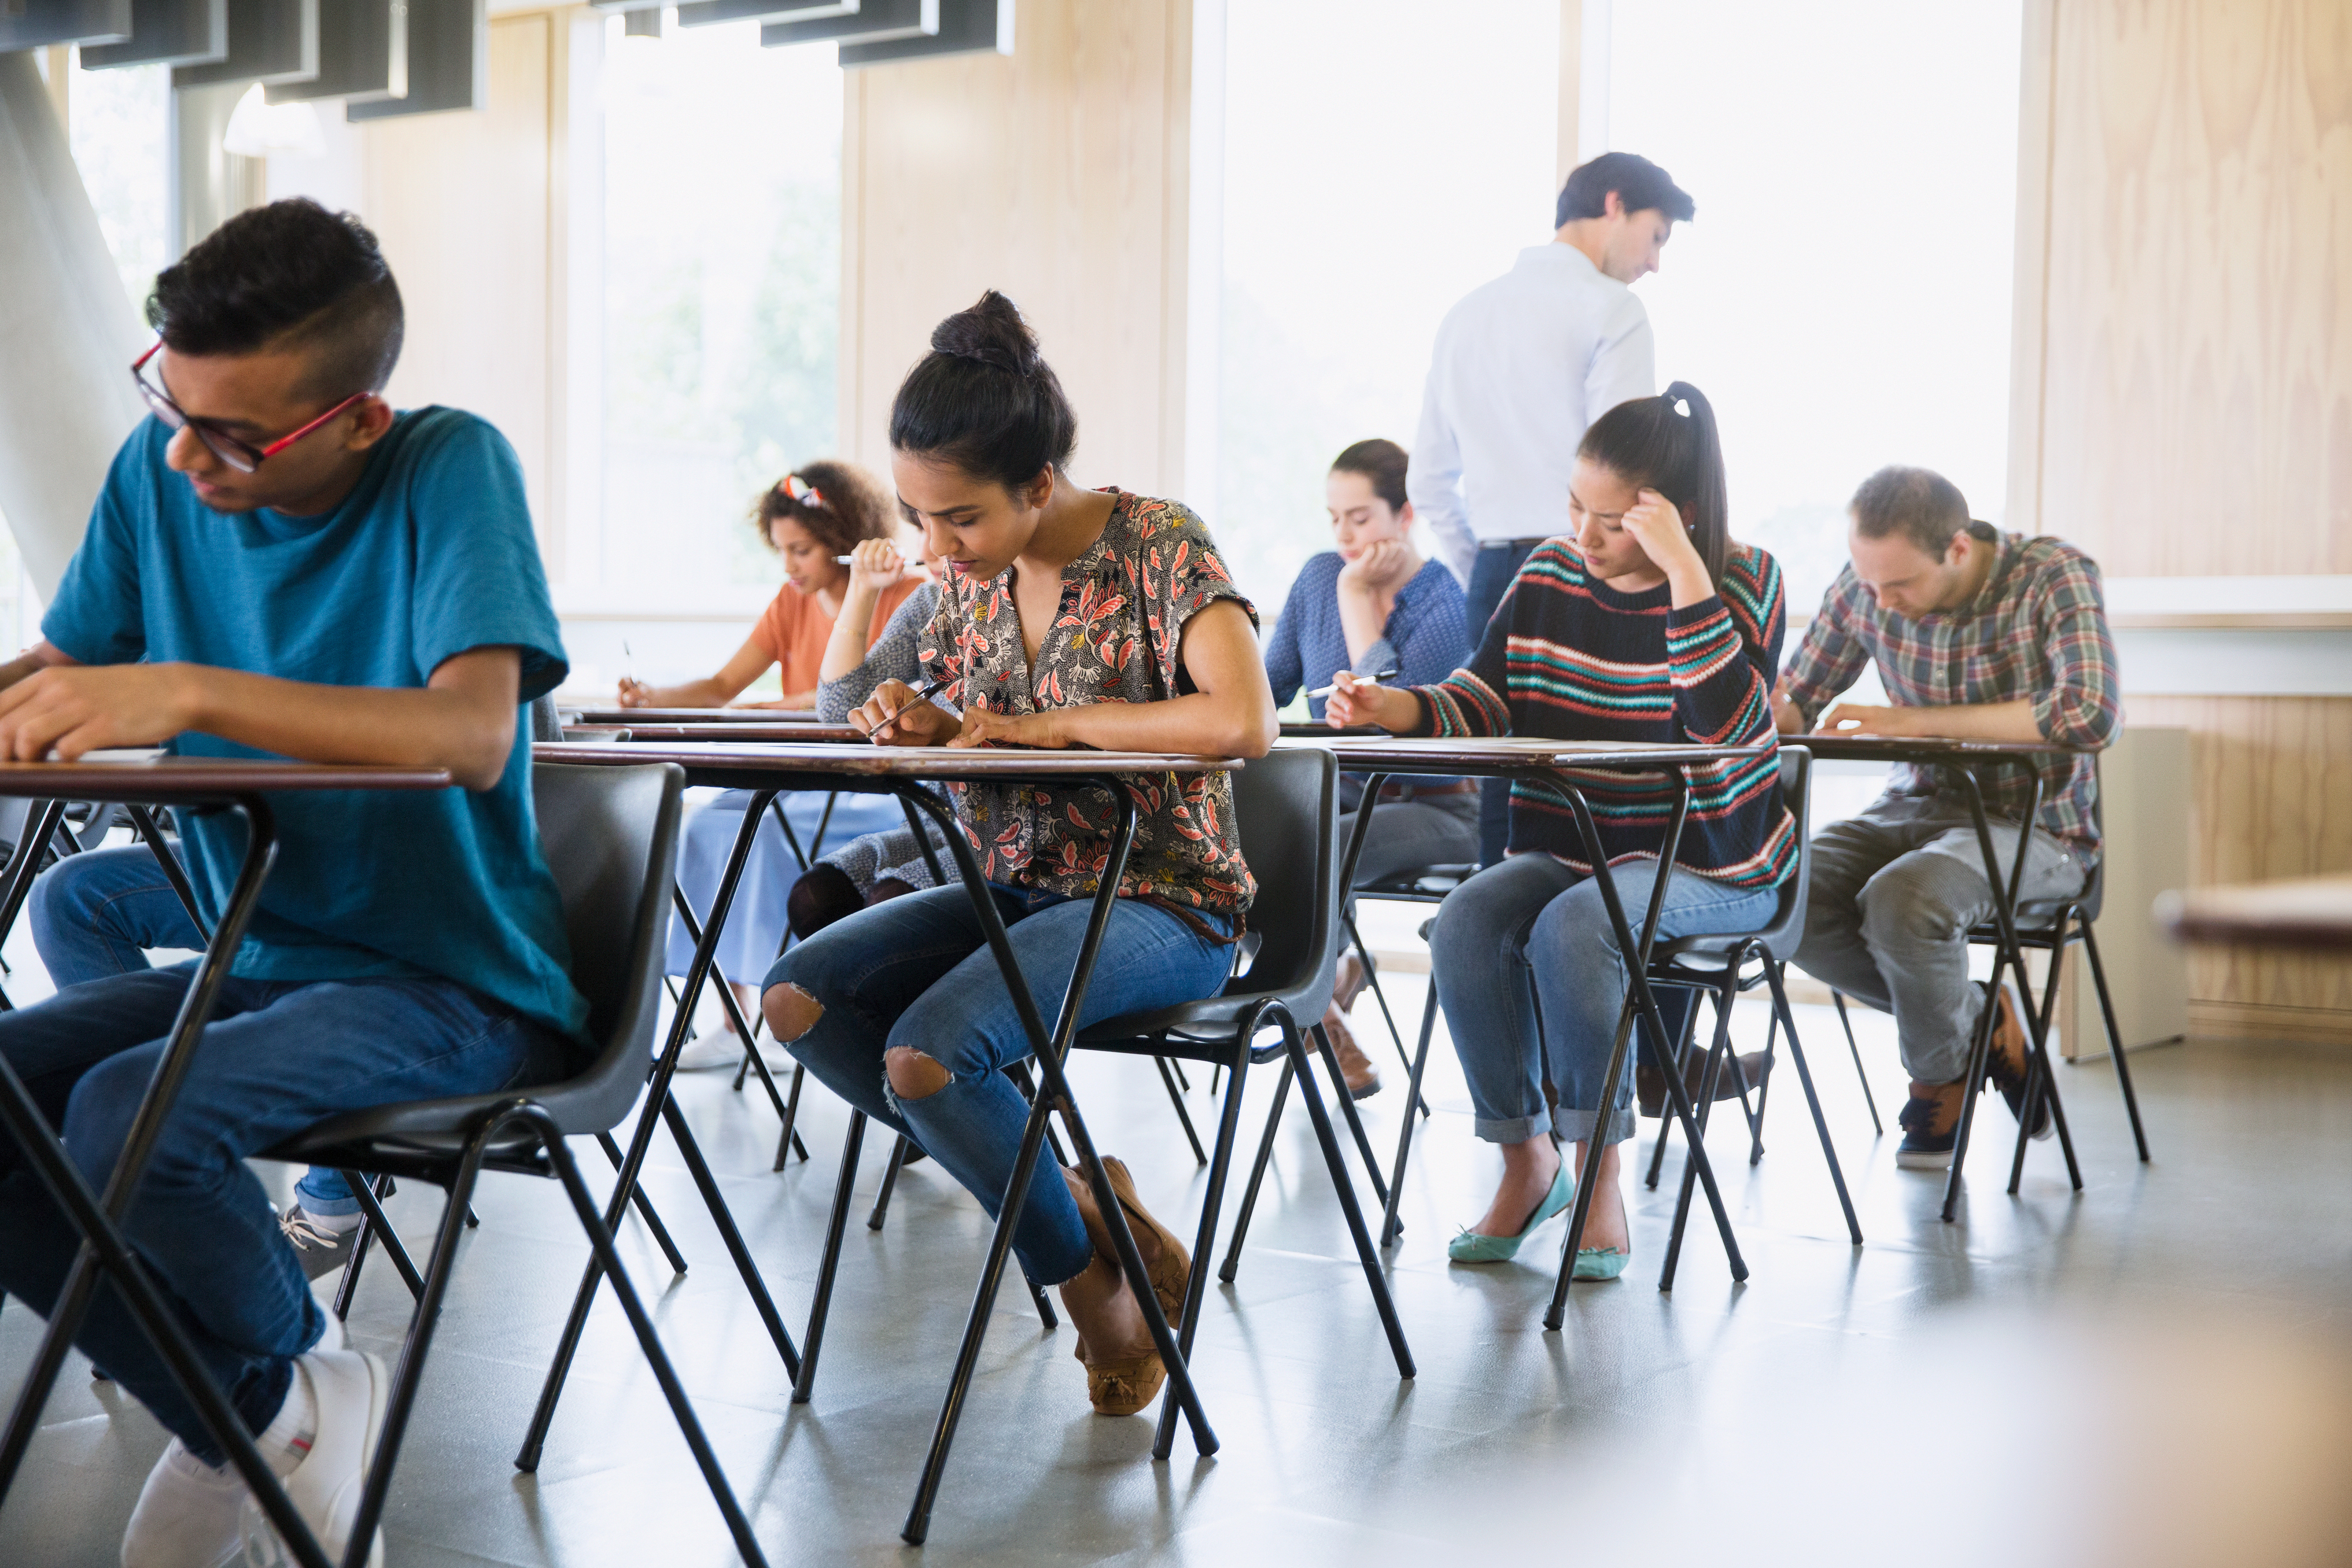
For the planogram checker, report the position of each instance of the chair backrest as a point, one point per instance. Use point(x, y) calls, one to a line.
point(1285, 804)
point(610, 837)
point(1788, 928)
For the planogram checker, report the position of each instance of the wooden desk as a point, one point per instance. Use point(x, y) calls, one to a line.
point(1972, 761)
point(195, 783)
point(2312, 913)
point(633, 716)
point(766, 768)
point(1556, 762)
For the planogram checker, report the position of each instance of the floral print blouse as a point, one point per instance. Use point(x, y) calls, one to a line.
point(1124, 606)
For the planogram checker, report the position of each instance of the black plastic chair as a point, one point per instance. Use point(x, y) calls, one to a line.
point(1716, 965)
point(2051, 925)
point(610, 836)
point(1284, 805)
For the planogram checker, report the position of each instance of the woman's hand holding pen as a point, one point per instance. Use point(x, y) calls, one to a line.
point(1354, 702)
point(899, 714)
point(874, 565)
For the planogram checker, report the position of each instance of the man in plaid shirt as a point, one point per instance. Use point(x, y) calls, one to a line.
point(1977, 635)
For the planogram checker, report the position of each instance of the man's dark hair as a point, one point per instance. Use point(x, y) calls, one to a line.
point(1381, 462)
point(1918, 503)
point(291, 275)
point(1640, 185)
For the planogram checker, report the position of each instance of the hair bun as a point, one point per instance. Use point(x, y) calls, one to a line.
point(992, 333)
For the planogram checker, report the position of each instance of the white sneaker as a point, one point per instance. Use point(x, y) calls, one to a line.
point(711, 1048)
point(347, 1389)
point(187, 1515)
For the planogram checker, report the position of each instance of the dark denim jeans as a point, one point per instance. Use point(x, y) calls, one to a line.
point(916, 972)
point(95, 915)
point(277, 1058)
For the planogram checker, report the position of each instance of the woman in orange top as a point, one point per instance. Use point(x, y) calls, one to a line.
point(812, 515)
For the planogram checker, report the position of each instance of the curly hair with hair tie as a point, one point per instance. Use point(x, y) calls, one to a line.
point(847, 505)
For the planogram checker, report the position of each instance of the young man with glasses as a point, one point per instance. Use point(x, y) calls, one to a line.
point(280, 564)
point(1977, 635)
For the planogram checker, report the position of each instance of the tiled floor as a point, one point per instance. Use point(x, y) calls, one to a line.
point(2150, 1372)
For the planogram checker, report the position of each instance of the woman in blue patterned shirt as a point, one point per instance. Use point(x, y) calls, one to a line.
point(1373, 607)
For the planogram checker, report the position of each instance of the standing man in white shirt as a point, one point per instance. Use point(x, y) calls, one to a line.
point(1522, 365)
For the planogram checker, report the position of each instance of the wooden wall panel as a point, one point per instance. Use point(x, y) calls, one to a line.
point(2271, 798)
point(1059, 175)
point(461, 203)
point(2198, 380)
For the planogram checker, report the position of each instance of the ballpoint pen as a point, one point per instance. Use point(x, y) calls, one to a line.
point(1372, 680)
point(930, 689)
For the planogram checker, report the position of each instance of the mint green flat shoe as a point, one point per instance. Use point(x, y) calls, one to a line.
point(1469, 1247)
point(1601, 1262)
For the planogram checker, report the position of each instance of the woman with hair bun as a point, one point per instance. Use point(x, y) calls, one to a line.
point(1066, 617)
point(1648, 624)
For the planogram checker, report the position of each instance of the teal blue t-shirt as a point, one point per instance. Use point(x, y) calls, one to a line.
point(430, 556)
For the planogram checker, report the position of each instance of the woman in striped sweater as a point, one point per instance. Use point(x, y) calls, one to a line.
point(1647, 623)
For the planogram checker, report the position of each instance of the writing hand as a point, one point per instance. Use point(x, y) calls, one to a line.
point(91, 707)
point(1354, 702)
point(920, 724)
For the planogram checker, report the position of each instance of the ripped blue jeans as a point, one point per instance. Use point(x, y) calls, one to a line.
point(916, 972)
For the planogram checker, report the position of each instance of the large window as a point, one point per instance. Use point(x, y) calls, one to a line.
point(1382, 158)
point(119, 126)
point(1843, 296)
point(721, 267)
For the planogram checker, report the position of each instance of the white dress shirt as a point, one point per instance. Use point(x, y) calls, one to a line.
point(1522, 366)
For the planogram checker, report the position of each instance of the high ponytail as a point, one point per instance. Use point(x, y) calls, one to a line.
point(1650, 442)
point(984, 400)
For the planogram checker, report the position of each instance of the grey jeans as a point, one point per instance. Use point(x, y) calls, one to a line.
point(1895, 892)
point(1420, 830)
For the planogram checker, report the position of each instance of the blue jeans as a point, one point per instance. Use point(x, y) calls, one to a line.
point(1492, 572)
point(756, 926)
point(916, 972)
point(94, 916)
point(1533, 912)
point(277, 1058)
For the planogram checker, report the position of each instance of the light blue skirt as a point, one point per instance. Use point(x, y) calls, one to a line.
point(757, 927)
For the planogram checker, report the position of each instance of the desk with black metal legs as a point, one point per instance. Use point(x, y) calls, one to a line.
point(1553, 762)
point(699, 717)
point(1966, 758)
point(902, 771)
point(190, 784)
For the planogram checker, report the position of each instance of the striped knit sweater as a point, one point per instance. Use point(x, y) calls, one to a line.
point(1567, 657)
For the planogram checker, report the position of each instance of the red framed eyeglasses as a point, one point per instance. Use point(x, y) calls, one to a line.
point(241, 456)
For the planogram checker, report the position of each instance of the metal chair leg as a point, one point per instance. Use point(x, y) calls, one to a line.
point(1372, 978)
point(1390, 1226)
point(1176, 1097)
point(1773, 977)
point(1257, 1176)
point(644, 1207)
point(1876, 1126)
point(812, 1337)
point(881, 1210)
point(1196, 1288)
point(1348, 1109)
point(1681, 1057)
point(2115, 1037)
point(1336, 1162)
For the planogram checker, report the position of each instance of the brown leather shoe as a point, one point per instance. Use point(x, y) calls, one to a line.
point(1930, 1121)
point(1124, 1385)
point(1650, 1085)
point(1165, 1259)
point(1349, 982)
point(2005, 1062)
point(1355, 1068)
